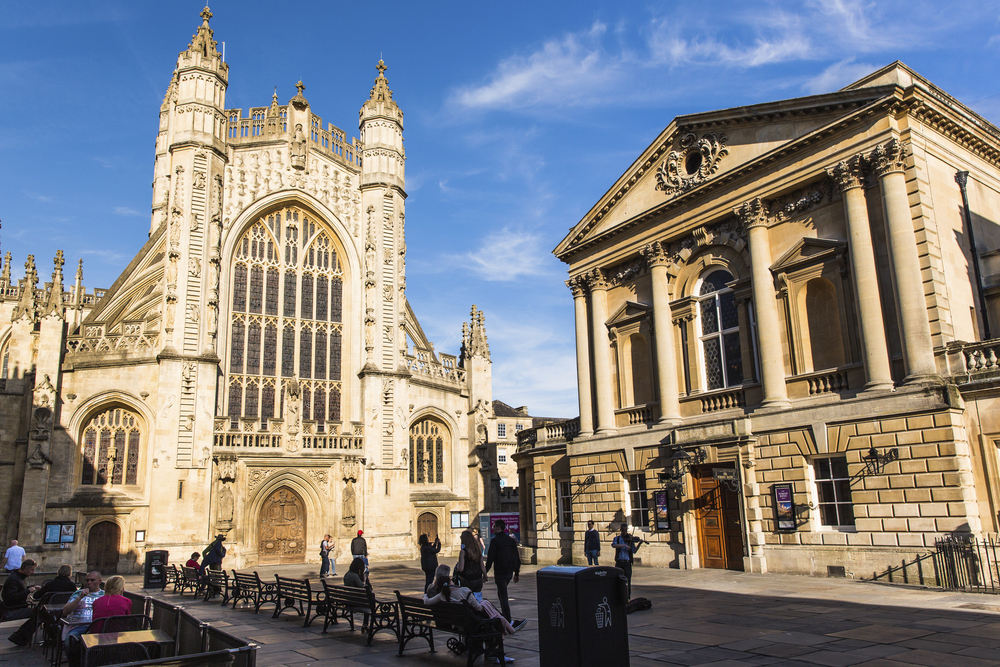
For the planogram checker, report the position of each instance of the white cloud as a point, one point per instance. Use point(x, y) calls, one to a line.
point(838, 75)
point(564, 72)
point(125, 210)
point(506, 255)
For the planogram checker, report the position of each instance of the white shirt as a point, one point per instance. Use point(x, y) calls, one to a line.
point(14, 556)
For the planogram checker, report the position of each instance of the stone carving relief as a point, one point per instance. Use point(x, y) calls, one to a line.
point(800, 201)
point(321, 477)
point(292, 415)
point(226, 504)
point(226, 467)
point(257, 475)
point(691, 163)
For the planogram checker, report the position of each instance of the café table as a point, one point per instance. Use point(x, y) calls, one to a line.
point(159, 637)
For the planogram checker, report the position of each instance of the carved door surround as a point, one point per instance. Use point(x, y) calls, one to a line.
point(282, 528)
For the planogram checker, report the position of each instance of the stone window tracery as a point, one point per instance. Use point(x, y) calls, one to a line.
point(428, 441)
point(287, 306)
point(111, 443)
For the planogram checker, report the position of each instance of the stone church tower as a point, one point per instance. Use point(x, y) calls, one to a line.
point(256, 370)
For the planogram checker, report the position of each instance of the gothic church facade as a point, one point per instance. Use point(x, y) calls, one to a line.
point(256, 370)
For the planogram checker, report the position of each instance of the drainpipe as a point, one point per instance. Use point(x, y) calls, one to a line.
point(962, 178)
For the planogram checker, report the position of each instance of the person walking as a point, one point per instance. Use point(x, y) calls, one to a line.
point(13, 557)
point(216, 551)
point(592, 544)
point(470, 569)
point(14, 596)
point(625, 548)
point(428, 557)
point(359, 549)
point(503, 553)
point(325, 547)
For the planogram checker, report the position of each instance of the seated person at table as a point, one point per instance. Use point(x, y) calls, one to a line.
point(63, 583)
point(193, 561)
point(14, 596)
point(442, 590)
point(78, 613)
point(112, 603)
point(355, 579)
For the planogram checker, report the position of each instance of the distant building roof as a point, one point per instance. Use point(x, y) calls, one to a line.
point(501, 409)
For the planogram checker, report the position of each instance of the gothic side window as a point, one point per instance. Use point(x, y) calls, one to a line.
point(111, 443)
point(719, 332)
point(287, 287)
point(429, 444)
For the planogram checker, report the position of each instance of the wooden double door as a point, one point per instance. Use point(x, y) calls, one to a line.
point(104, 547)
point(282, 529)
point(720, 529)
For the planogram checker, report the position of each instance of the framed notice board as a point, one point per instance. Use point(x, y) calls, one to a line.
point(784, 507)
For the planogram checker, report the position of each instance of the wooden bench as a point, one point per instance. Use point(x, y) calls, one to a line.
point(478, 636)
point(216, 582)
point(189, 579)
point(293, 594)
point(249, 587)
point(170, 576)
point(345, 601)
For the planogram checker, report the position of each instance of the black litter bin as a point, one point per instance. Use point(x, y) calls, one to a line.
point(581, 616)
point(154, 573)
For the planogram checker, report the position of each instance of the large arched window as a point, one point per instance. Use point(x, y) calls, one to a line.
point(287, 287)
point(428, 446)
point(719, 331)
point(112, 440)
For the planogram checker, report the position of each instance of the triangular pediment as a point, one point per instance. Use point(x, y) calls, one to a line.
point(628, 312)
point(696, 153)
point(136, 295)
point(808, 251)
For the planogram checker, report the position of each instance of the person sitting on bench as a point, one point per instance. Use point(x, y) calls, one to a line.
point(442, 590)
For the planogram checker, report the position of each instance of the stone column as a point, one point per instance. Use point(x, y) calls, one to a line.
point(598, 285)
point(663, 328)
point(848, 174)
point(754, 217)
point(889, 162)
point(579, 287)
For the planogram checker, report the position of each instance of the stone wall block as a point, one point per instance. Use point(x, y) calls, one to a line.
point(859, 539)
point(894, 525)
point(947, 449)
point(921, 524)
point(884, 440)
point(934, 509)
point(906, 509)
point(892, 425)
point(884, 540)
point(790, 538)
point(913, 466)
point(920, 423)
point(812, 538)
point(771, 538)
point(947, 494)
point(867, 428)
point(910, 540)
point(877, 510)
point(908, 438)
point(790, 450)
point(943, 434)
point(865, 497)
point(793, 474)
point(895, 481)
point(868, 525)
point(918, 495)
point(952, 524)
point(890, 496)
point(834, 538)
point(948, 464)
point(963, 509)
point(928, 479)
point(778, 438)
point(923, 451)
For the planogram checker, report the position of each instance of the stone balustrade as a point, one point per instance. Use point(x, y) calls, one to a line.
point(242, 433)
point(422, 363)
point(968, 361)
point(637, 415)
point(548, 434)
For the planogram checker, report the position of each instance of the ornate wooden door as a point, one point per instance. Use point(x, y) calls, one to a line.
point(103, 547)
point(720, 533)
point(427, 524)
point(282, 529)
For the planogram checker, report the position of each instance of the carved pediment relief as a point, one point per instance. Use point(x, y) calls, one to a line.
point(692, 161)
point(808, 251)
point(629, 312)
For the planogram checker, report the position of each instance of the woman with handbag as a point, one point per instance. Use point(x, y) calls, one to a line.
point(470, 571)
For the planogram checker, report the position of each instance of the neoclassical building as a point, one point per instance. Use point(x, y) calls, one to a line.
point(256, 370)
point(783, 334)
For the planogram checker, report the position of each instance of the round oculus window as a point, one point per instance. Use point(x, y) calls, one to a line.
point(692, 163)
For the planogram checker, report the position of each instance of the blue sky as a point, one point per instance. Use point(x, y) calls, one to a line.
point(518, 117)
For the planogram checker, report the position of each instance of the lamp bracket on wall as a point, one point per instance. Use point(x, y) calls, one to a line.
point(875, 462)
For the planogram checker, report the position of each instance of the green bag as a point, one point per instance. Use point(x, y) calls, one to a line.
point(207, 550)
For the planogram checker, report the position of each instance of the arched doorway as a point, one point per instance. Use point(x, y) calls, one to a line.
point(427, 524)
point(282, 528)
point(103, 547)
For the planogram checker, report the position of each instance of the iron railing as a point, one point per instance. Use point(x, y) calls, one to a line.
point(968, 564)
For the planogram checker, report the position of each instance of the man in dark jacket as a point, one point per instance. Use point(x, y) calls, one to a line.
point(14, 596)
point(592, 544)
point(217, 552)
point(503, 553)
point(359, 549)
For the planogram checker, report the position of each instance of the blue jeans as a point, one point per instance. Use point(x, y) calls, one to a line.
point(592, 556)
point(324, 569)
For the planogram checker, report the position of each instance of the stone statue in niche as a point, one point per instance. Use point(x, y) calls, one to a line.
point(349, 502)
point(299, 148)
point(226, 504)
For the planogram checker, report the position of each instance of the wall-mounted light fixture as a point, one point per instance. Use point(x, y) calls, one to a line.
point(681, 462)
point(875, 463)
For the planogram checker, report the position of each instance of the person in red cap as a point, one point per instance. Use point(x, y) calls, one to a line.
point(359, 549)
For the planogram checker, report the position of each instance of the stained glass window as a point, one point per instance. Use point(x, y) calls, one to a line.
point(111, 441)
point(305, 353)
point(336, 290)
point(253, 348)
point(267, 400)
point(306, 403)
point(439, 460)
point(290, 294)
point(288, 352)
point(319, 405)
point(236, 354)
point(235, 399)
point(334, 404)
point(307, 297)
point(256, 289)
point(252, 394)
point(322, 297)
point(271, 299)
point(240, 288)
point(270, 349)
point(319, 368)
point(335, 355)
point(427, 444)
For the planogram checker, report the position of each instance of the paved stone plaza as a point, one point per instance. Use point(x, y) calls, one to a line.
point(699, 617)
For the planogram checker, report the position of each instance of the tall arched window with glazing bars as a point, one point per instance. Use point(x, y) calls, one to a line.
point(111, 443)
point(287, 312)
point(428, 446)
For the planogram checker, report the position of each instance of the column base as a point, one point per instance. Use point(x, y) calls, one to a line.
point(879, 386)
point(922, 378)
point(776, 403)
point(607, 431)
point(583, 435)
point(670, 421)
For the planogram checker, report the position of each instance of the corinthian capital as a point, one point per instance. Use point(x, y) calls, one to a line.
point(888, 157)
point(578, 285)
point(849, 173)
point(596, 280)
point(656, 254)
point(752, 213)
